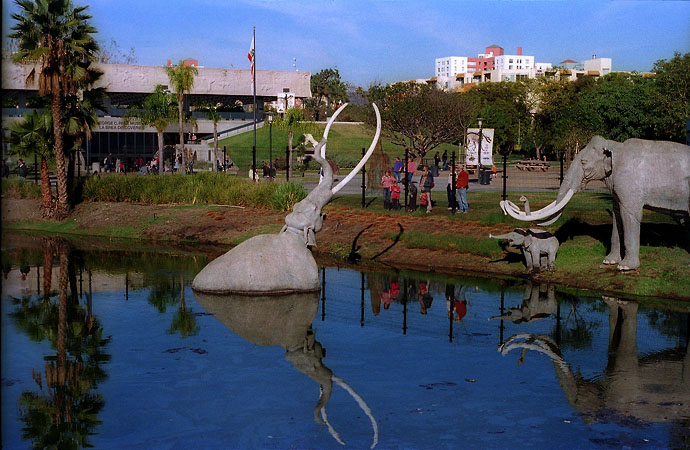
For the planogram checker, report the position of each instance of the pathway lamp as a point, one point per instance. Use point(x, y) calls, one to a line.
point(270, 144)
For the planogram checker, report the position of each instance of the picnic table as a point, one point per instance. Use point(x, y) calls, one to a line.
point(532, 165)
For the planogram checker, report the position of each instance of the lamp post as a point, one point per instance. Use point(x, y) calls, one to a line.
point(479, 151)
point(270, 145)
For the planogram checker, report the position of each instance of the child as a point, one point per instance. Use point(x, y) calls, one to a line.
point(423, 200)
point(395, 196)
point(387, 181)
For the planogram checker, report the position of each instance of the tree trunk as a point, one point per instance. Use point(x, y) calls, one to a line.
point(48, 204)
point(64, 205)
point(47, 266)
point(290, 154)
point(215, 146)
point(180, 99)
point(62, 317)
point(161, 165)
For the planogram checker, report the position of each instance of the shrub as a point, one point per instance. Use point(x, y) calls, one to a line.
point(18, 188)
point(287, 194)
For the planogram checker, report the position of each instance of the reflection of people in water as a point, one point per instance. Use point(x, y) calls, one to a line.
point(456, 302)
point(395, 290)
point(24, 269)
point(6, 268)
point(386, 297)
point(425, 299)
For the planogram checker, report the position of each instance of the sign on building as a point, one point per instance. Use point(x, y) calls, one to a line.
point(473, 155)
point(286, 100)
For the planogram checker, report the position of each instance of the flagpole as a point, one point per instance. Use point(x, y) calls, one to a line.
point(254, 85)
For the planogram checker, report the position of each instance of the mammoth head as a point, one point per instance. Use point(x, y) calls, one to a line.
point(595, 160)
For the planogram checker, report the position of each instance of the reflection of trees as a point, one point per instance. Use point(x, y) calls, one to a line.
point(183, 320)
point(66, 412)
point(575, 331)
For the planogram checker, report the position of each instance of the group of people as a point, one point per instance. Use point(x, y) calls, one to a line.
point(391, 180)
point(456, 302)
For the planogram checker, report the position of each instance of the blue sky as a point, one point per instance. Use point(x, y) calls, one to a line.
point(388, 40)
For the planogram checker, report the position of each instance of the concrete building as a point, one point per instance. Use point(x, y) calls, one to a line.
point(128, 85)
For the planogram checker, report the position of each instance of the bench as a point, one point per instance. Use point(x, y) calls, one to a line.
point(532, 165)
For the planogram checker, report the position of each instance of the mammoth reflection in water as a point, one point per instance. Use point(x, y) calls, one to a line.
point(652, 388)
point(538, 301)
point(286, 321)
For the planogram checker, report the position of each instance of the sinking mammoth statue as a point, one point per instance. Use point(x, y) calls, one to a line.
point(651, 388)
point(281, 263)
point(639, 173)
point(285, 321)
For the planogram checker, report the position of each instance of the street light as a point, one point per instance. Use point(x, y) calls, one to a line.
point(479, 151)
point(270, 144)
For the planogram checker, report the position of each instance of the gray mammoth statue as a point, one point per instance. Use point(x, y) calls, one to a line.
point(285, 321)
point(652, 388)
point(538, 302)
point(639, 173)
point(539, 247)
point(281, 263)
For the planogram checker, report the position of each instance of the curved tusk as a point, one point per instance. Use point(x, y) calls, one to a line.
point(363, 161)
point(544, 213)
point(328, 127)
point(552, 220)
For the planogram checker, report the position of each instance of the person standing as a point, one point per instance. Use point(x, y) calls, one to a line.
point(437, 162)
point(426, 183)
point(411, 167)
point(395, 196)
point(22, 170)
point(386, 182)
point(444, 159)
point(5, 169)
point(397, 168)
point(462, 184)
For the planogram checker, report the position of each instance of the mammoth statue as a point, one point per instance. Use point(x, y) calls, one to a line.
point(281, 263)
point(639, 173)
point(539, 247)
point(650, 388)
point(538, 302)
point(285, 321)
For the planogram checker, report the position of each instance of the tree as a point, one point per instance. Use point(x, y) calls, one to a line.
point(111, 53)
point(419, 117)
point(182, 80)
point(214, 117)
point(34, 135)
point(504, 107)
point(292, 121)
point(158, 111)
point(670, 100)
point(326, 86)
point(58, 36)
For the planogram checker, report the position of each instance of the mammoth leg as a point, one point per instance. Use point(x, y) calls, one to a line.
point(534, 253)
point(528, 259)
point(614, 256)
point(631, 234)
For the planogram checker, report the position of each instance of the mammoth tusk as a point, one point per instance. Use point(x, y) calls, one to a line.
point(328, 127)
point(363, 161)
point(551, 220)
point(544, 213)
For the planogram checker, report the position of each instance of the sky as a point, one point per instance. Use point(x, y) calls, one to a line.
point(383, 41)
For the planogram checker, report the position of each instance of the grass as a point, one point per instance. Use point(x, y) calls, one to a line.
point(454, 242)
point(345, 144)
point(20, 188)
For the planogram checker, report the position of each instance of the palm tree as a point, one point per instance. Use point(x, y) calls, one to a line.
point(293, 121)
point(57, 36)
point(181, 79)
point(158, 111)
point(34, 135)
point(214, 116)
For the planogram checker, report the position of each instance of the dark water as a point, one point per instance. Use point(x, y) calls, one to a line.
point(115, 351)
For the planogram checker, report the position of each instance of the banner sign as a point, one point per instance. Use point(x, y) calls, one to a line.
point(473, 156)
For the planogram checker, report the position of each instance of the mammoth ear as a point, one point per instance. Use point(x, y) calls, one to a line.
point(527, 242)
point(608, 160)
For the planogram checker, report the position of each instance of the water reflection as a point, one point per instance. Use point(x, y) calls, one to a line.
point(64, 413)
point(285, 321)
point(632, 390)
point(538, 302)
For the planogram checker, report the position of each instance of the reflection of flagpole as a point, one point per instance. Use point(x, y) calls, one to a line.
point(254, 91)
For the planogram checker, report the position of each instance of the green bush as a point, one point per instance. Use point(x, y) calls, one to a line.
point(205, 187)
point(287, 194)
point(20, 188)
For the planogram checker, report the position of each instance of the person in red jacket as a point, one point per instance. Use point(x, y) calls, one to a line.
point(395, 196)
point(461, 184)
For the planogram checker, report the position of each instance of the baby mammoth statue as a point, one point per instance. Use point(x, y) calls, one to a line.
point(539, 247)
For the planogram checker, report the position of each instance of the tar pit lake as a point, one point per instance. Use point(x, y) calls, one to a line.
point(109, 347)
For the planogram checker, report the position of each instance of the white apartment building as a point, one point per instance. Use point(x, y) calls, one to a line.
point(600, 65)
point(450, 66)
point(513, 68)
